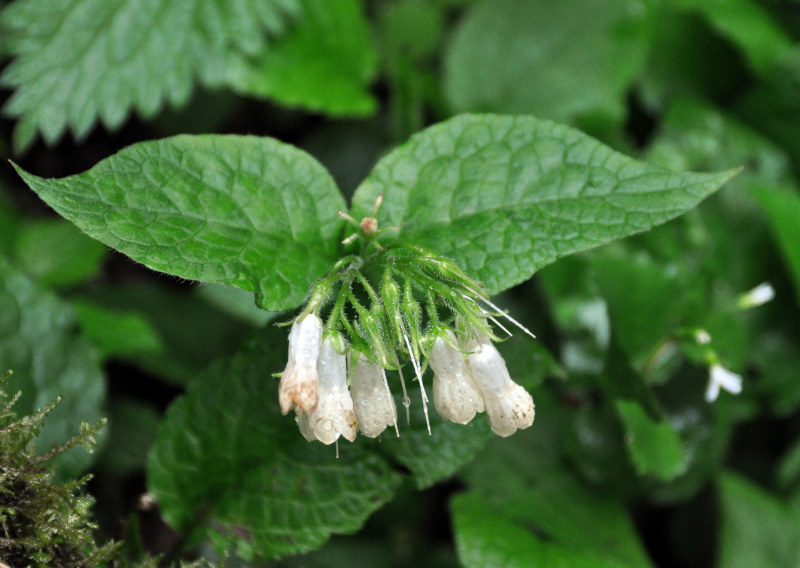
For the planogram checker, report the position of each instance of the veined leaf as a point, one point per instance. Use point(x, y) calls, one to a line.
point(241, 465)
point(505, 196)
point(77, 61)
point(487, 539)
point(237, 210)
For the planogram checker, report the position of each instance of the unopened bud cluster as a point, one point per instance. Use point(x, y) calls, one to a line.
point(422, 309)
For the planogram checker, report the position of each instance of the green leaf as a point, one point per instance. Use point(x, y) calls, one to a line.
point(524, 478)
point(655, 448)
point(132, 430)
point(505, 196)
point(236, 210)
point(241, 465)
point(193, 332)
point(117, 333)
point(690, 61)
point(783, 210)
point(324, 64)
point(554, 59)
point(644, 302)
point(236, 302)
point(747, 24)
point(436, 456)
point(77, 61)
point(57, 253)
point(758, 529)
point(487, 539)
point(40, 342)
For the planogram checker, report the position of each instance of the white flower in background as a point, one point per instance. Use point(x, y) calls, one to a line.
point(758, 296)
point(372, 401)
point(455, 395)
point(333, 416)
point(509, 407)
point(702, 337)
point(299, 381)
point(721, 378)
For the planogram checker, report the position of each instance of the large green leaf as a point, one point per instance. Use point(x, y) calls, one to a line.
point(244, 211)
point(438, 455)
point(77, 61)
point(550, 58)
point(40, 342)
point(487, 539)
point(225, 458)
point(505, 196)
point(524, 479)
point(758, 529)
point(324, 64)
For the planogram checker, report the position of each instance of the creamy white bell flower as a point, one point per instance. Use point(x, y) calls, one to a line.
point(455, 395)
point(333, 416)
point(721, 378)
point(299, 381)
point(372, 401)
point(509, 407)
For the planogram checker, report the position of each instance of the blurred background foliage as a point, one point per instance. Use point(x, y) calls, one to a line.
point(626, 464)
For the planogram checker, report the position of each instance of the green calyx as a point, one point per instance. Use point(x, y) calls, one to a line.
point(397, 316)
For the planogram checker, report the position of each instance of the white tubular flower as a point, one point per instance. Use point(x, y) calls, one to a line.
point(758, 296)
point(720, 377)
point(455, 395)
point(372, 401)
point(299, 380)
point(508, 406)
point(334, 414)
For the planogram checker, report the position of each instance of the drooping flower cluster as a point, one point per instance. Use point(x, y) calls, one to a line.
point(425, 311)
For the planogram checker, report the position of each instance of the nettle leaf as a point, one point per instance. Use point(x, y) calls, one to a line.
point(244, 470)
point(487, 539)
point(505, 196)
point(40, 342)
point(77, 61)
point(237, 210)
point(558, 60)
point(324, 64)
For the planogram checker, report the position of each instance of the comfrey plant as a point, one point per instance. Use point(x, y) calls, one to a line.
point(426, 310)
point(477, 199)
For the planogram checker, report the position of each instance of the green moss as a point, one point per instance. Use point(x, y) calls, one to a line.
point(42, 523)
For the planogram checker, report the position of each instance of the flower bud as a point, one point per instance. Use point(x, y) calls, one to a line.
point(455, 394)
point(333, 416)
point(298, 385)
point(373, 404)
point(508, 406)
